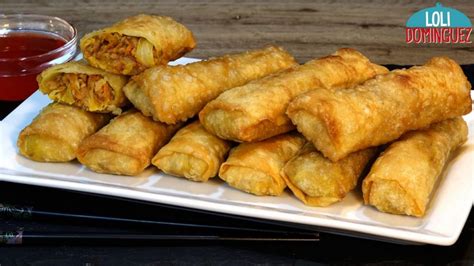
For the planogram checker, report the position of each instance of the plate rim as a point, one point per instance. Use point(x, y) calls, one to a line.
point(408, 237)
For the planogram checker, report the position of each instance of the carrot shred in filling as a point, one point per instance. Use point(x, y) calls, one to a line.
point(116, 50)
point(83, 86)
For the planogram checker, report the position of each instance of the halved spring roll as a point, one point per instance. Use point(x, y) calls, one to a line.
point(403, 178)
point(192, 153)
point(137, 43)
point(255, 167)
point(84, 86)
point(55, 134)
point(317, 181)
point(256, 111)
point(175, 93)
point(382, 109)
point(126, 145)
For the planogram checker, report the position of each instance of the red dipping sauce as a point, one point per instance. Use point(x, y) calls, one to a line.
point(21, 82)
point(24, 53)
point(26, 44)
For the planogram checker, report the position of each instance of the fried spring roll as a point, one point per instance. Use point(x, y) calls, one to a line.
point(192, 153)
point(175, 93)
point(256, 111)
point(255, 167)
point(126, 145)
point(317, 181)
point(403, 178)
point(81, 85)
point(382, 109)
point(137, 43)
point(55, 134)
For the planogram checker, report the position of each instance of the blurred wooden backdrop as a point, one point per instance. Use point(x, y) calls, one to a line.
point(307, 29)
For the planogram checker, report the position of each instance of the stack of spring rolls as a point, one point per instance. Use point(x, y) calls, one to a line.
point(92, 117)
point(257, 119)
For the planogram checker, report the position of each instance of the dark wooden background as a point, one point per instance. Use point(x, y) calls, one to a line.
point(307, 29)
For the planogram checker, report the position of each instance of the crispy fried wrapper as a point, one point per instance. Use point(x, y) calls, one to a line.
point(137, 43)
point(55, 134)
point(255, 167)
point(382, 109)
point(403, 178)
point(317, 181)
point(171, 94)
point(192, 153)
point(126, 145)
point(84, 86)
point(256, 111)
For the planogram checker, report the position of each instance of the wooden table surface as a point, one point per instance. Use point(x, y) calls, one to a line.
point(307, 29)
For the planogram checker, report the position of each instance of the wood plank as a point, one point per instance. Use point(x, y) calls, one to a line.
point(307, 29)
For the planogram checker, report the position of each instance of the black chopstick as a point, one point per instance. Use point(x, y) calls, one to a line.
point(91, 219)
point(78, 207)
point(19, 213)
point(23, 237)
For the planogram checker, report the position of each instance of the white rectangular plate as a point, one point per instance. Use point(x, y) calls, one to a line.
point(442, 224)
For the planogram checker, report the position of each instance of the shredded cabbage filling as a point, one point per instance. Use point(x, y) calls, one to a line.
point(125, 54)
point(82, 89)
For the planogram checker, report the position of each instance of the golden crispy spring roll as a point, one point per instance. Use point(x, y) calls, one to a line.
point(255, 167)
point(192, 153)
point(137, 43)
point(126, 145)
point(317, 181)
point(403, 178)
point(55, 134)
point(81, 85)
point(382, 109)
point(256, 111)
point(175, 93)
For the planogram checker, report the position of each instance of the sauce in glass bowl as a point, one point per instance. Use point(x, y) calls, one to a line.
point(28, 45)
point(24, 44)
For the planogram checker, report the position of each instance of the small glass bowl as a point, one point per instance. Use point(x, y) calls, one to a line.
point(18, 71)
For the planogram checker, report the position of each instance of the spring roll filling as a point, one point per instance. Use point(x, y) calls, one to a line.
point(82, 88)
point(122, 52)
